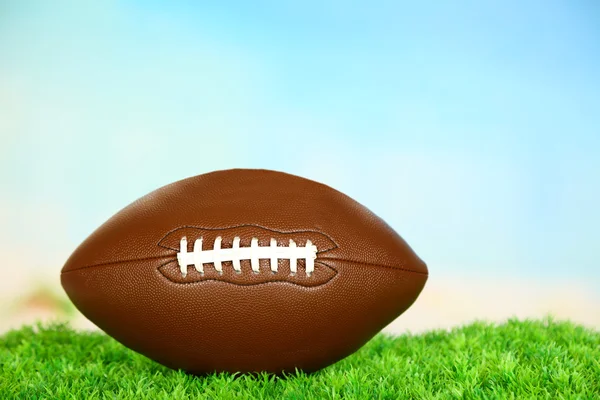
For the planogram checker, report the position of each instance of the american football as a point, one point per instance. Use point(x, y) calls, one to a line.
point(244, 271)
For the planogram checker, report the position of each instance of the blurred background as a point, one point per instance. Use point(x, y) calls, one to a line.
point(472, 128)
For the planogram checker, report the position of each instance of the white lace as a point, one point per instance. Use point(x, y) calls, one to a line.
point(217, 255)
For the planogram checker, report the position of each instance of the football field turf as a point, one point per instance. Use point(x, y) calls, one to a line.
point(516, 360)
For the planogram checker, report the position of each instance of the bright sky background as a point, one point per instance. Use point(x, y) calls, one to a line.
point(472, 128)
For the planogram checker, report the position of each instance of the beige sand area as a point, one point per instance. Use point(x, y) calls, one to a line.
point(445, 302)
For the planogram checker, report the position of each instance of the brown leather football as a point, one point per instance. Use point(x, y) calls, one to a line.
point(244, 271)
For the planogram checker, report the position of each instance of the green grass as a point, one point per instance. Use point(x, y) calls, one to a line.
point(516, 360)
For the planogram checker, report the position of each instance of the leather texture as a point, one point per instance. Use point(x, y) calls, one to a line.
point(125, 277)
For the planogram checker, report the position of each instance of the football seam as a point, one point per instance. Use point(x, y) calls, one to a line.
point(160, 242)
point(253, 284)
point(400, 268)
point(104, 264)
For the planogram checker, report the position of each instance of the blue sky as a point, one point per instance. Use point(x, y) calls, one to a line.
point(472, 128)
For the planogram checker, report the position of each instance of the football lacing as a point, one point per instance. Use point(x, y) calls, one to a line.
point(198, 257)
